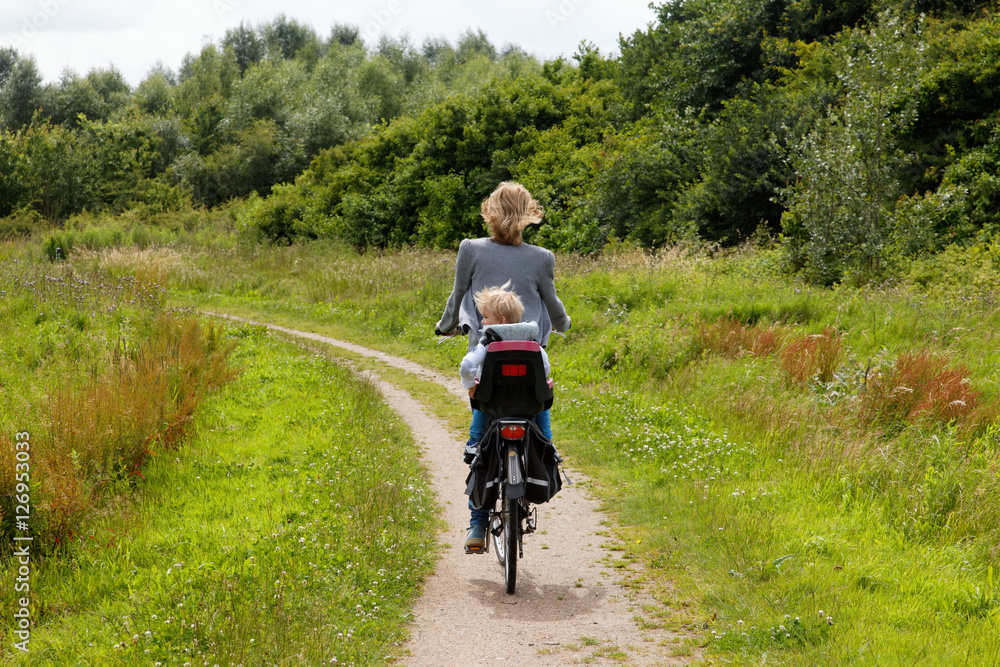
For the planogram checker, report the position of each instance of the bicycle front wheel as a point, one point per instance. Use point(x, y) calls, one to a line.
point(511, 532)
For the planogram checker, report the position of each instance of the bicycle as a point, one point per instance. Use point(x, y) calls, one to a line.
point(515, 465)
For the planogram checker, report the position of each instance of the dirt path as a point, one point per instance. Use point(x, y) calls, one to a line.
point(568, 607)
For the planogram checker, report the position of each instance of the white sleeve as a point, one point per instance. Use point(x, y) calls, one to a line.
point(471, 364)
point(545, 362)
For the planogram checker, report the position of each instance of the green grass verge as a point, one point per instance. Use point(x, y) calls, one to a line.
point(773, 520)
point(296, 528)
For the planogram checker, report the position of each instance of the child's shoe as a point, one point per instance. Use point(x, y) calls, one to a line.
point(475, 541)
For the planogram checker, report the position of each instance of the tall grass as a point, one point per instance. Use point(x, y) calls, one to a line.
point(815, 357)
point(731, 338)
point(785, 482)
point(102, 378)
point(920, 386)
point(294, 527)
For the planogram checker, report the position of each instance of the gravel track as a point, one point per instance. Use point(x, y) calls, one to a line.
point(569, 607)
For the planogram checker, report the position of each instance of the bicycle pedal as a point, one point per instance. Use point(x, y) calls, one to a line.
point(475, 550)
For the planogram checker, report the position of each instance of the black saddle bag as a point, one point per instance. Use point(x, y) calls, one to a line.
point(541, 468)
point(483, 482)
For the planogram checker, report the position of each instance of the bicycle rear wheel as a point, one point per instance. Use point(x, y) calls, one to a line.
point(496, 534)
point(511, 530)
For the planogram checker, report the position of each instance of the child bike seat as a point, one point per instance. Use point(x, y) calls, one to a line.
point(513, 382)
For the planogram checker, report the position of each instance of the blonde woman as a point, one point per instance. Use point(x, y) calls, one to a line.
point(527, 270)
point(503, 256)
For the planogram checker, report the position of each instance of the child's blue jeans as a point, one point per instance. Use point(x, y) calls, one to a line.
point(481, 422)
point(477, 429)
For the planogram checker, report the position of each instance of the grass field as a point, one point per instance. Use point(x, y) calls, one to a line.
point(291, 524)
point(809, 474)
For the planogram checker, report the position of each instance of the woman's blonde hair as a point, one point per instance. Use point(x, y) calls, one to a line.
point(500, 302)
point(509, 210)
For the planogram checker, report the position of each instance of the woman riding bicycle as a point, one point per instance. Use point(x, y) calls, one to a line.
point(488, 262)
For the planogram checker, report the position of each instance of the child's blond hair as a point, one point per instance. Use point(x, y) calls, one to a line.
point(509, 210)
point(500, 302)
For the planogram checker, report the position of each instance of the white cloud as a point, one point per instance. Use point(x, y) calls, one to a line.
point(83, 34)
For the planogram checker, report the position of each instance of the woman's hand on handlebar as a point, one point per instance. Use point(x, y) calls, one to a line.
point(458, 331)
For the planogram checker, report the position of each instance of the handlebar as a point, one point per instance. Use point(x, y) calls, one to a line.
point(463, 330)
point(448, 335)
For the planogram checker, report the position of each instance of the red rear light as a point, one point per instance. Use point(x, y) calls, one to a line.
point(514, 370)
point(512, 432)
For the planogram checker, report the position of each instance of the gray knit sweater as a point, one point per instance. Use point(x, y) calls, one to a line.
point(484, 263)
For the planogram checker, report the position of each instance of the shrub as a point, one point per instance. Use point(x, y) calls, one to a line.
point(814, 357)
point(58, 246)
point(918, 387)
point(21, 223)
point(840, 208)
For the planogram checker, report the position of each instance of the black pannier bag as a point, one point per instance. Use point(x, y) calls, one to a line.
point(483, 482)
point(541, 469)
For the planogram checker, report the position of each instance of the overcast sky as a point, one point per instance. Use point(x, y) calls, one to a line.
point(83, 34)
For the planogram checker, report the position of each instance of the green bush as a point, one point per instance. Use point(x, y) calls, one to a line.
point(840, 210)
point(58, 246)
point(21, 223)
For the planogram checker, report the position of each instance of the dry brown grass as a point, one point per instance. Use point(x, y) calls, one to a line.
point(920, 386)
point(731, 338)
point(625, 259)
point(150, 265)
point(98, 437)
point(814, 357)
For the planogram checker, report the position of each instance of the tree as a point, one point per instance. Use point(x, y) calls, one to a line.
point(382, 86)
point(285, 37)
point(268, 91)
point(345, 34)
point(246, 45)
point(700, 53)
point(332, 109)
point(437, 50)
point(475, 43)
point(743, 169)
point(840, 212)
point(200, 98)
point(20, 89)
point(402, 55)
point(154, 95)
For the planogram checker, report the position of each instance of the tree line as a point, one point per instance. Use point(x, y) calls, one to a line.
point(245, 113)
